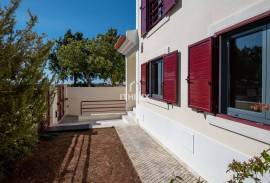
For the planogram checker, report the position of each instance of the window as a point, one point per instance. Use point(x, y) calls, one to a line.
point(152, 11)
point(155, 12)
point(246, 74)
point(156, 79)
point(159, 78)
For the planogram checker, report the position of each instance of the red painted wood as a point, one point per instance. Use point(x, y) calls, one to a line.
point(168, 5)
point(200, 75)
point(144, 23)
point(144, 78)
point(60, 102)
point(170, 77)
point(120, 42)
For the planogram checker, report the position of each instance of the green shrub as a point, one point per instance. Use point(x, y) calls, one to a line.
point(23, 86)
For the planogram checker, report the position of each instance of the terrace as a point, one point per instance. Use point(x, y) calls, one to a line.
point(115, 150)
point(107, 115)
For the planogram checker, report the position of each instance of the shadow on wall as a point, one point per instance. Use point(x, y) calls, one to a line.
point(176, 7)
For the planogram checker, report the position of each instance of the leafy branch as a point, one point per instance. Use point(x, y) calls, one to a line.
point(254, 168)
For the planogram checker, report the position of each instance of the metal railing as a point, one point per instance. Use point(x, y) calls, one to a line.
point(103, 106)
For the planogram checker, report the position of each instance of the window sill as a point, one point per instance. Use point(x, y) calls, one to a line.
point(157, 102)
point(156, 97)
point(243, 127)
point(157, 26)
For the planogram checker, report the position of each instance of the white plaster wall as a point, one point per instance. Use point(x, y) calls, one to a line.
point(189, 135)
point(75, 95)
point(203, 153)
point(131, 81)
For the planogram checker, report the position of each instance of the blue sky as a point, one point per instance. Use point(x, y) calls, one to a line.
point(87, 16)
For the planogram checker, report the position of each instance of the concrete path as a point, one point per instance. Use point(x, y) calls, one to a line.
point(71, 123)
point(152, 163)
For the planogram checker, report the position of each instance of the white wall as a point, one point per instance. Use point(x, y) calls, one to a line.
point(131, 81)
point(189, 135)
point(75, 95)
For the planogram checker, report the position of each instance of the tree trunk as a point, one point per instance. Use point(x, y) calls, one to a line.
point(75, 79)
point(89, 81)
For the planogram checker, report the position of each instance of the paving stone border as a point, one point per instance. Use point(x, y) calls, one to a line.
point(151, 161)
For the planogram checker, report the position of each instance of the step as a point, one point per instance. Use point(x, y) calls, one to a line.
point(132, 114)
point(129, 120)
point(68, 127)
point(103, 116)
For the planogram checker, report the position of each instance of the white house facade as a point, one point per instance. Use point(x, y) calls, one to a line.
point(204, 73)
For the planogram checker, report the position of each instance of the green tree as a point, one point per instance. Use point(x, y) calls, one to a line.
point(23, 86)
point(73, 57)
point(87, 59)
point(55, 65)
point(98, 65)
point(105, 44)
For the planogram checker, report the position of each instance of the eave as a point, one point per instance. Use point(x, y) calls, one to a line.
point(127, 44)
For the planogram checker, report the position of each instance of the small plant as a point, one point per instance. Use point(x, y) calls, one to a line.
point(260, 107)
point(178, 179)
point(254, 168)
point(200, 181)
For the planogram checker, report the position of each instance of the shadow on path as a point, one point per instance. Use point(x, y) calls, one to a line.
point(90, 156)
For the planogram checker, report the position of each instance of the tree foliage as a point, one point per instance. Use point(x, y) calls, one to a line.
point(80, 59)
point(23, 85)
point(114, 67)
point(72, 57)
point(60, 67)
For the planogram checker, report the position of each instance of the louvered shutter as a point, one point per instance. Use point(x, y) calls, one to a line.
point(168, 5)
point(144, 17)
point(170, 77)
point(144, 79)
point(200, 82)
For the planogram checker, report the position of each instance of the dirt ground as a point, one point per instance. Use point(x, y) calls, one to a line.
point(96, 156)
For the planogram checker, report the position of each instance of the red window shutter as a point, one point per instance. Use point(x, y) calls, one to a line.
point(168, 5)
point(144, 79)
point(143, 17)
point(200, 75)
point(170, 77)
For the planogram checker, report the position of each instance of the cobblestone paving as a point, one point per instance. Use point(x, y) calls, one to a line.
point(152, 163)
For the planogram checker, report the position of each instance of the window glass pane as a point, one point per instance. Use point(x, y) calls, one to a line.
point(155, 11)
point(246, 72)
point(160, 76)
point(157, 78)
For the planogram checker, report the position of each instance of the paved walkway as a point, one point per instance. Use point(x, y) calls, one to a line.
point(152, 163)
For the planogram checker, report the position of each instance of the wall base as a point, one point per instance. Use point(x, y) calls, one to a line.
point(202, 154)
